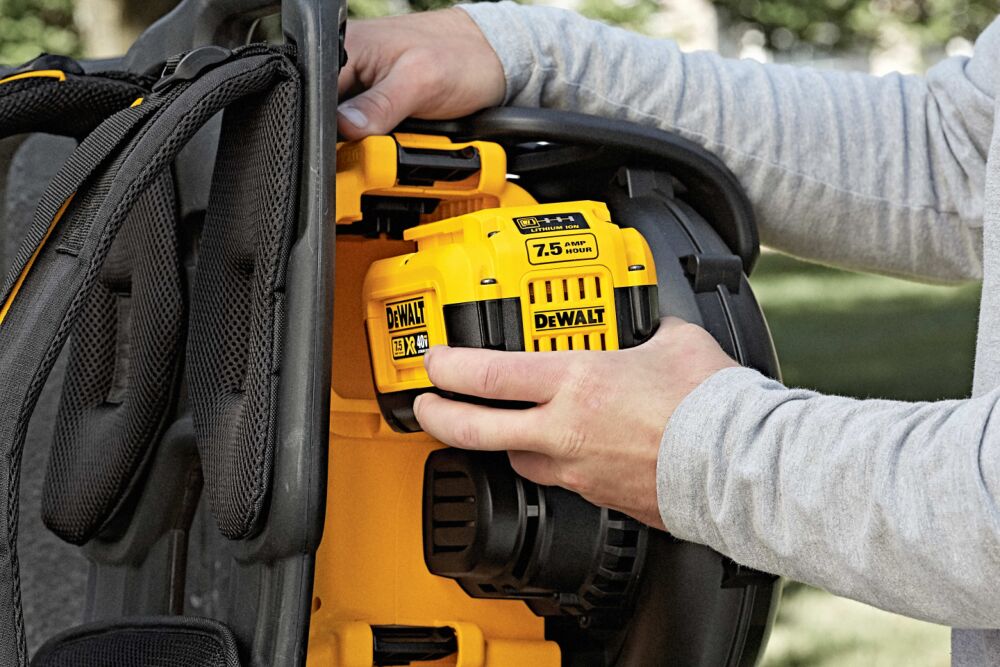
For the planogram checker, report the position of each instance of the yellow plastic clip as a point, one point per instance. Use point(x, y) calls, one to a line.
point(42, 73)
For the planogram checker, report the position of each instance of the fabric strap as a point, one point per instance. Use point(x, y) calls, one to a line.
point(122, 159)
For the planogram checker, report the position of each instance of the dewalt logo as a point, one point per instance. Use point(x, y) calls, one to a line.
point(403, 315)
point(570, 318)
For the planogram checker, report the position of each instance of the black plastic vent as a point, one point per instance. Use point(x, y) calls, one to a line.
point(453, 512)
point(610, 586)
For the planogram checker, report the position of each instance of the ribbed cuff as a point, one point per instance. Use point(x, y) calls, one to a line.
point(689, 450)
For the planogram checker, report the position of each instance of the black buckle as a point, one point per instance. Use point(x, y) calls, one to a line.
point(51, 61)
point(191, 65)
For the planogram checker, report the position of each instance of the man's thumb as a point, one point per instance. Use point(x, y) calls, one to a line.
point(380, 108)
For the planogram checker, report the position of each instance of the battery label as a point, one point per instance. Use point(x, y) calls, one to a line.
point(410, 345)
point(569, 318)
point(403, 315)
point(560, 222)
point(567, 248)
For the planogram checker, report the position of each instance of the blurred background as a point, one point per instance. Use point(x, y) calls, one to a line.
point(837, 332)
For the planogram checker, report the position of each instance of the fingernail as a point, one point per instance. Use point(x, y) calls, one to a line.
point(416, 403)
point(353, 116)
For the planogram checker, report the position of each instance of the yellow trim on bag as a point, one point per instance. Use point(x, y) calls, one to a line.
point(27, 267)
point(137, 102)
point(42, 73)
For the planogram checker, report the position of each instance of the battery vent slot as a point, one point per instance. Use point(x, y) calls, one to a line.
point(453, 512)
point(575, 312)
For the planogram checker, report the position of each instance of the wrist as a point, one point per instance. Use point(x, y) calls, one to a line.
point(688, 449)
point(513, 46)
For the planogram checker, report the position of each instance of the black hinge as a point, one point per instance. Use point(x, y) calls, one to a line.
point(707, 272)
point(190, 65)
point(735, 575)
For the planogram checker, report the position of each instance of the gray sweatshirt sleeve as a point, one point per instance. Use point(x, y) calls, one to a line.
point(878, 174)
point(890, 503)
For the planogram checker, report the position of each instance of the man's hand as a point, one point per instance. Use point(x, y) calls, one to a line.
point(430, 65)
point(600, 416)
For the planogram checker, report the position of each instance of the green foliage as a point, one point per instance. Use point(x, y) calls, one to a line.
point(826, 26)
point(632, 14)
point(371, 8)
point(832, 25)
point(30, 27)
point(816, 629)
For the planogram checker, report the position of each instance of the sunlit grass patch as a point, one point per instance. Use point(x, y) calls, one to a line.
point(868, 336)
point(816, 629)
point(865, 336)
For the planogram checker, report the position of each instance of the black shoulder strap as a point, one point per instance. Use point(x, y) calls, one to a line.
point(73, 230)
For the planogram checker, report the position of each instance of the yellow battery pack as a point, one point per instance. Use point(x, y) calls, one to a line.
point(542, 277)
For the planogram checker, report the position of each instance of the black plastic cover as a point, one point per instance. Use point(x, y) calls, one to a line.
point(501, 536)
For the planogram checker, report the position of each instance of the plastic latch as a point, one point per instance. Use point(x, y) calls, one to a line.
point(707, 272)
point(191, 65)
point(735, 575)
point(426, 166)
point(51, 61)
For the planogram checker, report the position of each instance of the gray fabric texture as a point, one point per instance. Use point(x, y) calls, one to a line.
point(891, 503)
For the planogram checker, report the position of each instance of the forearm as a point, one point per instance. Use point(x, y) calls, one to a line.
point(890, 503)
point(882, 174)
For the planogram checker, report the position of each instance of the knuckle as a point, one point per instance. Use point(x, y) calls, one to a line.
point(572, 478)
point(468, 434)
point(691, 339)
point(689, 331)
point(572, 441)
point(492, 378)
point(380, 103)
point(423, 66)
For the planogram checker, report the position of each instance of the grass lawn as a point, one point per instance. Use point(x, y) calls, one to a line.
point(864, 336)
point(816, 629)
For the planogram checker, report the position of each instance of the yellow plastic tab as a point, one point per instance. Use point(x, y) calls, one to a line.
point(368, 167)
point(42, 73)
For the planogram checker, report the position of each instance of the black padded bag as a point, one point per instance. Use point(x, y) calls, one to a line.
point(121, 380)
point(238, 303)
point(71, 107)
point(158, 641)
point(122, 159)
